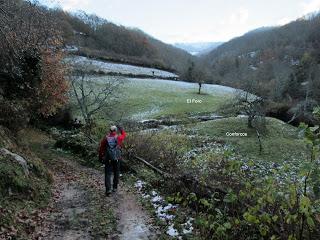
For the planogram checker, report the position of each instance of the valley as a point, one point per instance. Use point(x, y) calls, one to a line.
point(210, 139)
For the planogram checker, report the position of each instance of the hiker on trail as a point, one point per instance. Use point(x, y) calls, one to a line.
point(110, 155)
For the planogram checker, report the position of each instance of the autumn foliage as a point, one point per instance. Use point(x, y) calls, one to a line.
point(54, 87)
point(31, 67)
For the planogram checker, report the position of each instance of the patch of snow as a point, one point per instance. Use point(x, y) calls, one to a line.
point(187, 227)
point(174, 86)
point(252, 54)
point(139, 185)
point(253, 68)
point(172, 231)
point(145, 114)
point(71, 48)
point(162, 212)
point(156, 199)
point(165, 212)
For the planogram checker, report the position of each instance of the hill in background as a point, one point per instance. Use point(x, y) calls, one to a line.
point(97, 37)
point(281, 64)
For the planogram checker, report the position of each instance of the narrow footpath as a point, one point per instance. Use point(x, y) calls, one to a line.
point(79, 208)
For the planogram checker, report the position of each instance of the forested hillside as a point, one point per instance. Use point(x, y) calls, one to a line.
point(281, 64)
point(98, 37)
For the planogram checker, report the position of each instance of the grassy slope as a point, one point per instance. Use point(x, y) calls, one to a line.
point(148, 98)
point(280, 141)
point(156, 99)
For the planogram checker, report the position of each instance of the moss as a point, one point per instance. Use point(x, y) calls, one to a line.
point(13, 178)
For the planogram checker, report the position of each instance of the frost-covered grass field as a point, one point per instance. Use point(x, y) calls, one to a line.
point(280, 140)
point(109, 67)
point(155, 98)
point(149, 98)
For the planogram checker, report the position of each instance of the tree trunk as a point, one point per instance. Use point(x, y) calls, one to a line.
point(250, 120)
point(260, 143)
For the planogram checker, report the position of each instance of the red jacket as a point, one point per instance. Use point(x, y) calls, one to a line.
point(103, 142)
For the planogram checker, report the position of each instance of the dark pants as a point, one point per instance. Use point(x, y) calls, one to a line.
point(112, 167)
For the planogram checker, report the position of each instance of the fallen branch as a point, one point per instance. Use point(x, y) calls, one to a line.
point(152, 167)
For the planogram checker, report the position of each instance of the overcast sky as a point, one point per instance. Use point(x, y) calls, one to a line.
point(193, 20)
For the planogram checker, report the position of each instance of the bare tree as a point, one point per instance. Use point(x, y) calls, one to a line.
point(253, 107)
point(93, 96)
point(200, 78)
point(200, 86)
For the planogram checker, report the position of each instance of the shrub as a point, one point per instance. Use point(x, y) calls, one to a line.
point(76, 142)
point(63, 118)
point(13, 114)
point(53, 90)
point(161, 149)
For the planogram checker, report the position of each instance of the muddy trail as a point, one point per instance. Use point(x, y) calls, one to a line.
point(80, 210)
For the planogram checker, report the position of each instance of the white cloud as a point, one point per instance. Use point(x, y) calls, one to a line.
point(73, 4)
point(240, 16)
point(311, 6)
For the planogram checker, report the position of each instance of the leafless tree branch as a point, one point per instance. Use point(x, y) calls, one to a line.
point(92, 96)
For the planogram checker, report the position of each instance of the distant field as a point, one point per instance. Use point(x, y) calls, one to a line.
point(156, 98)
point(152, 98)
point(109, 67)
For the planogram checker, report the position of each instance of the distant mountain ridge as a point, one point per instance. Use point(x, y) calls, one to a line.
point(198, 48)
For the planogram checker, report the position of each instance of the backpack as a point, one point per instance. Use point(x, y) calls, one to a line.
point(112, 149)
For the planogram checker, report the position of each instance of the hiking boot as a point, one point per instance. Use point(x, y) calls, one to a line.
point(114, 190)
point(108, 192)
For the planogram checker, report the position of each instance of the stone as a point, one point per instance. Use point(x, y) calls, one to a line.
point(23, 162)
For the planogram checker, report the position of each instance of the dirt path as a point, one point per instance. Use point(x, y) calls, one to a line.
point(68, 219)
point(76, 189)
point(80, 209)
point(134, 223)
